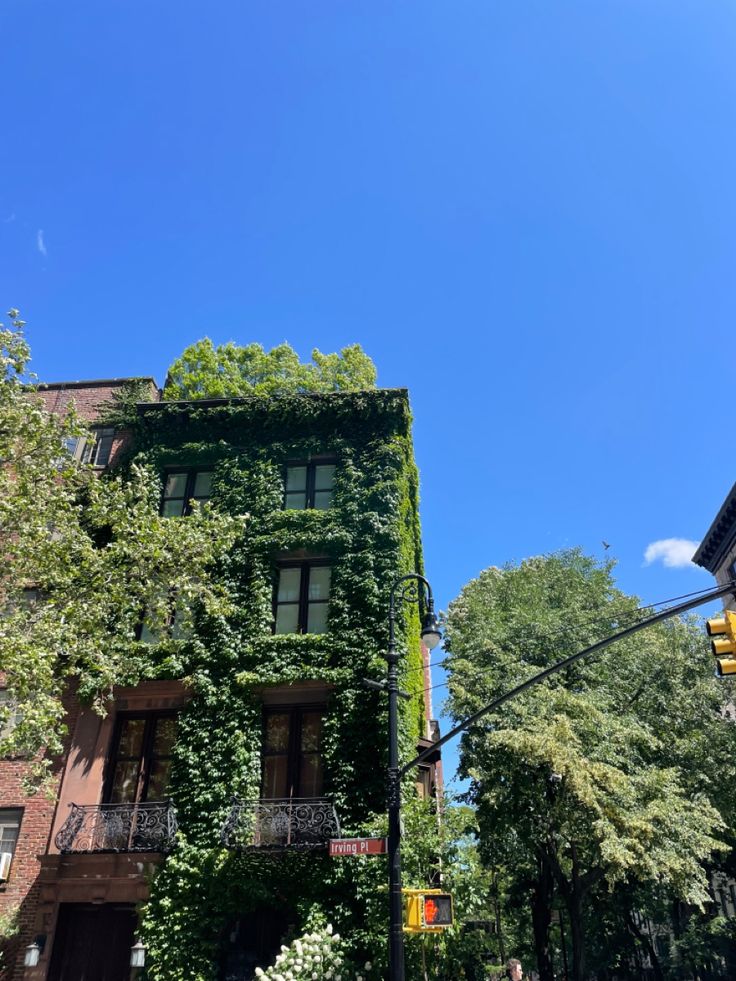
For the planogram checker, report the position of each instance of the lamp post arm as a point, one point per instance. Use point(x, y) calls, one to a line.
point(412, 577)
point(554, 668)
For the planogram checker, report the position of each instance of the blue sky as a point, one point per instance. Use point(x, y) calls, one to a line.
point(525, 212)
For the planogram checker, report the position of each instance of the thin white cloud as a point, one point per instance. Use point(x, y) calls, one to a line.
point(674, 553)
point(40, 242)
point(10, 218)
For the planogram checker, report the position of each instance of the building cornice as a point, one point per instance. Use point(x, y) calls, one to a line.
point(262, 399)
point(720, 537)
point(94, 383)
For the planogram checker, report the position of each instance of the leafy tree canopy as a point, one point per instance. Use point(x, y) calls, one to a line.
point(83, 558)
point(232, 370)
point(602, 774)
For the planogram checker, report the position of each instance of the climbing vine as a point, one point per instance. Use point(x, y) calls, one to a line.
point(370, 536)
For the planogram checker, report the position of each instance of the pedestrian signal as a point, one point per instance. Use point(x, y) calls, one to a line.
point(723, 646)
point(437, 911)
point(428, 910)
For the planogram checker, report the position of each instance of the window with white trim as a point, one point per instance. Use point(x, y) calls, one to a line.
point(10, 716)
point(10, 819)
point(94, 449)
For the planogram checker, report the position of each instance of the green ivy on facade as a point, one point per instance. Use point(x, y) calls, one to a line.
point(370, 536)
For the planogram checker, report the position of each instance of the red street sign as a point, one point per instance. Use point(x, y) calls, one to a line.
point(357, 846)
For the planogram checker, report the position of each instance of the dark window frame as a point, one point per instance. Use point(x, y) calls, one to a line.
point(188, 496)
point(169, 629)
point(294, 753)
point(303, 603)
point(145, 757)
point(311, 466)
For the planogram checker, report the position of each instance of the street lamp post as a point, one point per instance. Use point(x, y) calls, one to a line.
point(411, 588)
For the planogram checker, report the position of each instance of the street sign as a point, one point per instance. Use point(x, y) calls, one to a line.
point(357, 846)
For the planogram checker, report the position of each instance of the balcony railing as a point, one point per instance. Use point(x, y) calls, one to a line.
point(118, 828)
point(278, 824)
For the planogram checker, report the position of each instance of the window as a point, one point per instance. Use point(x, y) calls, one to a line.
point(292, 752)
point(176, 627)
point(302, 598)
point(10, 716)
point(182, 487)
point(141, 758)
point(94, 450)
point(423, 780)
point(10, 819)
point(309, 485)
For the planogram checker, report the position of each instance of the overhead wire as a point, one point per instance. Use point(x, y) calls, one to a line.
point(626, 615)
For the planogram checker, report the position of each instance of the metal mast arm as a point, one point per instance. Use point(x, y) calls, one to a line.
point(673, 611)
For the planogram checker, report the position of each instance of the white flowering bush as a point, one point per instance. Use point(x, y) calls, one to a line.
point(315, 956)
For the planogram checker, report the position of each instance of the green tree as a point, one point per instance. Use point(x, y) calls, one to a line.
point(596, 778)
point(231, 370)
point(83, 558)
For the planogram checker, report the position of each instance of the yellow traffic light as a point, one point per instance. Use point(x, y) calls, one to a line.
point(723, 646)
point(428, 910)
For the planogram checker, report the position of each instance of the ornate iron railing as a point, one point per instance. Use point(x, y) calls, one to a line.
point(118, 828)
point(277, 824)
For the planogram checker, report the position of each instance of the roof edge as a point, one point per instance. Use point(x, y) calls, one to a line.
point(259, 399)
point(719, 535)
point(94, 383)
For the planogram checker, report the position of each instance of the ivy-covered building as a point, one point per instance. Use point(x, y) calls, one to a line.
point(194, 817)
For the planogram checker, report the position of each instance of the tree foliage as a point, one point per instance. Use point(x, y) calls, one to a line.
point(231, 370)
point(599, 777)
point(84, 557)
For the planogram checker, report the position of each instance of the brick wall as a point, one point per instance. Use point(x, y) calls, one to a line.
point(22, 888)
point(87, 396)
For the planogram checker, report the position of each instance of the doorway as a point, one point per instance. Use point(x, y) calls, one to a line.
point(253, 941)
point(92, 943)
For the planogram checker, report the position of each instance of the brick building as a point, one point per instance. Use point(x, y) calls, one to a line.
point(26, 821)
point(293, 752)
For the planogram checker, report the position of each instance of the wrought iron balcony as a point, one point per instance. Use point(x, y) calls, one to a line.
point(278, 824)
point(118, 828)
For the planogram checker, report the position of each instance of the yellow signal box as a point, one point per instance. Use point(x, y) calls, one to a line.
point(723, 646)
point(428, 911)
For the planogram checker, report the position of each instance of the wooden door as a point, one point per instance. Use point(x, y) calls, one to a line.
point(92, 943)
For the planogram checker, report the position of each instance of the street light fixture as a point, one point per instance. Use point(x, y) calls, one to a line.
point(33, 951)
point(411, 588)
point(431, 635)
point(137, 955)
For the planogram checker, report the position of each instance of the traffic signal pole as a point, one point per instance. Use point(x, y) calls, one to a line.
point(396, 934)
point(407, 589)
point(667, 614)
